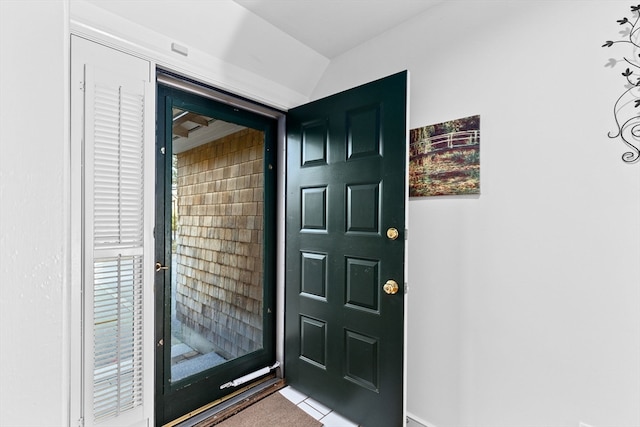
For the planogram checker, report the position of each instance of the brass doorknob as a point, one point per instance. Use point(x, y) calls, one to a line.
point(392, 233)
point(391, 287)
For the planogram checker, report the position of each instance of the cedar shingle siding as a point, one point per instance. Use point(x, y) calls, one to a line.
point(219, 248)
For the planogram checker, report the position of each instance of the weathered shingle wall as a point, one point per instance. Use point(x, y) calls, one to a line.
point(219, 248)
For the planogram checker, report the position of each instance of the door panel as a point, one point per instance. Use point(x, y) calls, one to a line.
point(346, 185)
point(214, 248)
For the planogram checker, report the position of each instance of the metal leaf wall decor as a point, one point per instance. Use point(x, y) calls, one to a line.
point(626, 109)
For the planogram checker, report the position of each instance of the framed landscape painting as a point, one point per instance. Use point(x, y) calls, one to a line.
point(444, 159)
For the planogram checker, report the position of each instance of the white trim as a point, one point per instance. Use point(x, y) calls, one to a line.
point(106, 28)
point(148, 388)
point(76, 122)
point(419, 420)
point(68, 374)
point(405, 285)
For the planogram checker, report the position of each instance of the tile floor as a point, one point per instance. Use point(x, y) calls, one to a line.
point(326, 416)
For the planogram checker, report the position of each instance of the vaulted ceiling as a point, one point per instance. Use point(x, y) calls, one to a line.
point(332, 27)
point(287, 45)
point(328, 27)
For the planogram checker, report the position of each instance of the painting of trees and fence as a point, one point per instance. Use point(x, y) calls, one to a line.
point(444, 159)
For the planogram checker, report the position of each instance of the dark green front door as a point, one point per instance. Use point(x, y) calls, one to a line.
point(346, 189)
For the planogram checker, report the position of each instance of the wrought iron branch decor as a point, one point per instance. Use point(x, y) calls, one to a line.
point(625, 110)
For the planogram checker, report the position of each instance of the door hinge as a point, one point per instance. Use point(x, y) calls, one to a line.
point(406, 288)
point(82, 86)
point(80, 422)
point(406, 234)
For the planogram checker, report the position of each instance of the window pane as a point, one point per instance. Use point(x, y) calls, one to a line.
point(217, 236)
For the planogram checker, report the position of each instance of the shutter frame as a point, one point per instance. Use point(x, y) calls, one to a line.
point(117, 248)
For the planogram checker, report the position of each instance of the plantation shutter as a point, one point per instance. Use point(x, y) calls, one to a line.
point(117, 280)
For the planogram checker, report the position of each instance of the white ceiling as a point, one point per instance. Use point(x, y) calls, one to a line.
point(332, 27)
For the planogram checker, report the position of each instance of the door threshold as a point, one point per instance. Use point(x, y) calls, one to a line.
point(221, 409)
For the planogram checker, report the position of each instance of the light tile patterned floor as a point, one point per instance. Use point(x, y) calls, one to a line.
point(326, 416)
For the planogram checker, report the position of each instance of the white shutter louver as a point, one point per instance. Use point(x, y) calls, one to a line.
point(118, 336)
point(118, 169)
point(114, 235)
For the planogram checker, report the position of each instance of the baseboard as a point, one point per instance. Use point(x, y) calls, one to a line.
point(415, 421)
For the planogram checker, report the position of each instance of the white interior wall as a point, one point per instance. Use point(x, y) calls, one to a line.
point(523, 301)
point(33, 213)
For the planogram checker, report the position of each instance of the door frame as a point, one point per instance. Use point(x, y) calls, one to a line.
point(180, 81)
point(178, 89)
point(90, 22)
